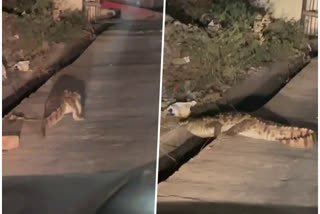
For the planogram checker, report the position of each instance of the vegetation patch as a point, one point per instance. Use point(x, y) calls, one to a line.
point(34, 31)
point(223, 51)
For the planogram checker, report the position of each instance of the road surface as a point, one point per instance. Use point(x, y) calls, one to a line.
point(121, 75)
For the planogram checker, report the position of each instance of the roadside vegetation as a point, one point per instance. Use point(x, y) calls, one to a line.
point(29, 29)
point(233, 39)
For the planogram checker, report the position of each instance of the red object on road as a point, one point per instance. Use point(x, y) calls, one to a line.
point(132, 13)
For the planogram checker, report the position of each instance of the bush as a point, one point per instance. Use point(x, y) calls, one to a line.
point(234, 48)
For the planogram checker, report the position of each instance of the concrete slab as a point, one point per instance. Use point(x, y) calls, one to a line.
point(297, 102)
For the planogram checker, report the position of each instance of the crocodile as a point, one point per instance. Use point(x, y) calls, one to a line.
point(66, 96)
point(69, 102)
point(236, 123)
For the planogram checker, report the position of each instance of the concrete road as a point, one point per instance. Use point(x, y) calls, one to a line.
point(120, 72)
point(246, 176)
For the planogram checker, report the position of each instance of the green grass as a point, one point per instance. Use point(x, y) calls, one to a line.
point(233, 48)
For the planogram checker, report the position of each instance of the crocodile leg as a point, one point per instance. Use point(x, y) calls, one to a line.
point(240, 127)
point(216, 127)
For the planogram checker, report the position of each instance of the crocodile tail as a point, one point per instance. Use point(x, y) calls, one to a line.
point(292, 136)
point(301, 142)
point(296, 137)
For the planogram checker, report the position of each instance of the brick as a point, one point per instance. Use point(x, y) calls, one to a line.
point(10, 142)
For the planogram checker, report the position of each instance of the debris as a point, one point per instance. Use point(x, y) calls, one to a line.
point(13, 38)
point(10, 142)
point(181, 61)
point(206, 18)
point(22, 66)
point(211, 24)
point(4, 73)
point(213, 27)
point(180, 109)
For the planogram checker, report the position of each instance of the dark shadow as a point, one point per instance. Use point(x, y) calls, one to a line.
point(230, 208)
point(243, 98)
point(137, 197)
point(266, 114)
point(70, 83)
point(169, 164)
point(10, 127)
point(249, 105)
point(104, 192)
point(313, 42)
